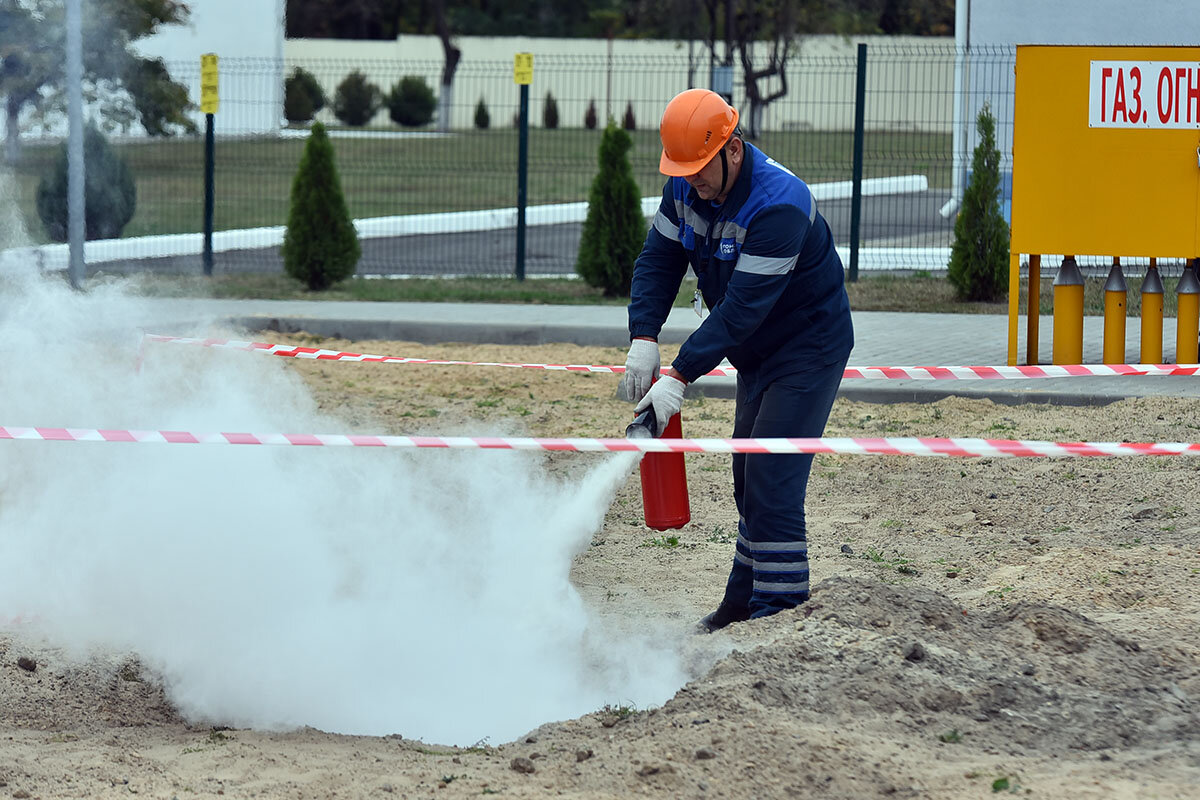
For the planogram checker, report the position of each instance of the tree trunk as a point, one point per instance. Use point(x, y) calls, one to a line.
point(452, 56)
point(446, 96)
point(756, 96)
point(445, 103)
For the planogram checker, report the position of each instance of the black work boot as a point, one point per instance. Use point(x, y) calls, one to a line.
point(724, 615)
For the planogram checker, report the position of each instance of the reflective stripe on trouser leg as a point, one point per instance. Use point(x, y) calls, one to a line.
point(773, 486)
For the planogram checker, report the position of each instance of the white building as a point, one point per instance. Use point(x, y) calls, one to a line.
point(988, 31)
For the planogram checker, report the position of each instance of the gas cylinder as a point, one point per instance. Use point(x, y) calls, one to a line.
point(664, 479)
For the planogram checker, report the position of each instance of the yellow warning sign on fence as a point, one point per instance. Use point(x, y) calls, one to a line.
point(208, 83)
point(523, 69)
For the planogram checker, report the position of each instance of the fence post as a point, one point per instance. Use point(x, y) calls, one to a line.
point(522, 75)
point(522, 180)
point(860, 99)
point(209, 158)
point(209, 103)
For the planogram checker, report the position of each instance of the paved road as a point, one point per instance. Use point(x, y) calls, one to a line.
point(911, 220)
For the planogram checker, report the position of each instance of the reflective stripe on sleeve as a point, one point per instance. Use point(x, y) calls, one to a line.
point(764, 265)
point(666, 227)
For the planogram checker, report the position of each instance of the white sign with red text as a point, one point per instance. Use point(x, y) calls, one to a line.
point(1144, 94)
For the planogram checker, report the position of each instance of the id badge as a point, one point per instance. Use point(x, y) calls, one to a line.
point(698, 304)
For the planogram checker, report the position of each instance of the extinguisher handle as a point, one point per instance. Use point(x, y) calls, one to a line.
point(644, 425)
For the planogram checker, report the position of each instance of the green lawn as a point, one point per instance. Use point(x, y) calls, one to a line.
point(460, 172)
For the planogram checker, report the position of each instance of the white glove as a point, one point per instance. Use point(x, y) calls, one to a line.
point(666, 395)
point(641, 368)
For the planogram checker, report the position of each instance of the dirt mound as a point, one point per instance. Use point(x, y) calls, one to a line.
point(1027, 678)
point(46, 690)
point(901, 667)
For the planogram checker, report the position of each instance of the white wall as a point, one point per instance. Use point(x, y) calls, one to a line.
point(995, 27)
point(1140, 22)
point(647, 73)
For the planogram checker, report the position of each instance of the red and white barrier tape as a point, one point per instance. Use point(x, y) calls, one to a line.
point(899, 446)
point(885, 373)
point(1021, 372)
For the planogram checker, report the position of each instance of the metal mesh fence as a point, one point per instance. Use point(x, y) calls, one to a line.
point(430, 201)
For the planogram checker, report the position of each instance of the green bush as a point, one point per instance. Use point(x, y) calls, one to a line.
point(303, 96)
point(110, 196)
point(550, 112)
point(411, 102)
point(482, 119)
point(629, 123)
point(614, 229)
point(320, 246)
point(297, 104)
point(589, 116)
point(356, 100)
point(978, 267)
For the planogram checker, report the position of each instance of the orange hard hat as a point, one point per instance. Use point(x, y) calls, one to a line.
point(695, 125)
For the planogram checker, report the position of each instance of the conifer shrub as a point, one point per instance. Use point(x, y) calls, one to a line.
point(303, 96)
point(978, 267)
point(110, 196)
point(297, 105)
point(614, 229)
point(482, 118)
point(629, 123)
point(589, 116)
point(550, 112)
point(411, 102)
point(320, 245)
point(356, 100)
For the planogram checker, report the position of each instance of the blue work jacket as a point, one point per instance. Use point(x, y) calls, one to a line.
point(766, 267)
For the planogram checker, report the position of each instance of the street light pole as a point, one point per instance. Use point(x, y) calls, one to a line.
point(75, 167)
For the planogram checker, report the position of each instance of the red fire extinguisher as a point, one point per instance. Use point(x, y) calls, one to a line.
point(664, 479)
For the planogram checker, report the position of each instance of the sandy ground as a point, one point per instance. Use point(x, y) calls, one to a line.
point(977, 626)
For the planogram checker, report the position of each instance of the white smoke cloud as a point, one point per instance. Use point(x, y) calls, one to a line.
point(368, 591)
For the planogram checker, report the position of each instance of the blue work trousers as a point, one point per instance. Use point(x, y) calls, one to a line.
point(770, 566)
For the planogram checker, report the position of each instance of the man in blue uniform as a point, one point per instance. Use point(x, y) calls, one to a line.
point(773, 283)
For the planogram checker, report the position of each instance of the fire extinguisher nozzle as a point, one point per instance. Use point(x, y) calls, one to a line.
point(644, 426)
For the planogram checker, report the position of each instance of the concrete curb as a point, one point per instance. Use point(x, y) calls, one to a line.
point(1097, 391)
